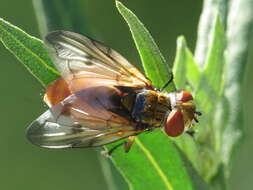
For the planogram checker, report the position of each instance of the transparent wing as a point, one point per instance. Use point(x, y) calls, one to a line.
point(46, 132)
point(83, 119)
point(82, 60)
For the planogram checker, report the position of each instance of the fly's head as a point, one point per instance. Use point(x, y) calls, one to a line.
point(182, 114)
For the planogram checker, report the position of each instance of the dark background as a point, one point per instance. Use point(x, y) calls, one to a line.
point(24, 166)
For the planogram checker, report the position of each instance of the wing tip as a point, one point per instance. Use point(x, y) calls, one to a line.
point(34, 134)
point(36, 130)
point(45, 132)
point(31, 132)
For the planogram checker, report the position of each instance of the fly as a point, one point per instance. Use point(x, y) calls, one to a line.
point(102, 98)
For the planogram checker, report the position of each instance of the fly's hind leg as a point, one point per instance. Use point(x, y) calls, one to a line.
point(129, 143)
point(127, 146)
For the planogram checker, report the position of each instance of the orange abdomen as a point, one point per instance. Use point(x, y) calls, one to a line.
point(56, 92)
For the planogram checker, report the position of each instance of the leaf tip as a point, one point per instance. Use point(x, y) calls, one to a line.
point(181, 42)
point(118, 3)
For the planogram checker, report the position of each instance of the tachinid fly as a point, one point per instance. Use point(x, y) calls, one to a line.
point(102, 98)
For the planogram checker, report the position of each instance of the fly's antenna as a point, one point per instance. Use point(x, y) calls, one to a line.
point(198, 113)
point(171, 79)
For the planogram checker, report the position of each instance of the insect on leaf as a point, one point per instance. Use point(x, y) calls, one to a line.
point(154, 161)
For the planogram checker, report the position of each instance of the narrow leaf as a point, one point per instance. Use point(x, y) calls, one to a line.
point(153, 62)
point(208, 97)
point(209, 90)
point(186, 72)
point(179, 66)
point(185, 69)
point(154, 162)
point(238, 43)
point(29, 50)
point(191, 149)
point(146, 152)
point(207, 19)
point(193, 73)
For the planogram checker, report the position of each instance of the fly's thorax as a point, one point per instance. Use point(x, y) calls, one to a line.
point(150, 107)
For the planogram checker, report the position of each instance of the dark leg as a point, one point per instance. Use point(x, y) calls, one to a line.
point(171, 79)
point(127, 146)
point(109, 152)
point(191, 132)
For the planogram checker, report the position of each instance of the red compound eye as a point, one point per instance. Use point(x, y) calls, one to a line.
point(185, 96)
point(175, 123)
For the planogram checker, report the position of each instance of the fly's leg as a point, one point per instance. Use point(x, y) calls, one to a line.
point(129, 143)
point(127, 146)
point(170, 80)
point(191, 132)
point(109, 152)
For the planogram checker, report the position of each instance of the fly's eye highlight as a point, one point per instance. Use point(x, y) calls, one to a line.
point(185, 96)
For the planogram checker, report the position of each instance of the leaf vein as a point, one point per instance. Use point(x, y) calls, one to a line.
point(154, 164)
point(29, 51)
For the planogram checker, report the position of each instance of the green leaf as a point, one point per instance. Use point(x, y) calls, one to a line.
point(237, 58)
point(186, 72)
point(148, 150)
point(191, 149)
point(204, 153)
point(207, 18)
point(153, 62)
point(185, 69)
point(211, 83)
point(208, 96)
point(154, 162)
point(29, 50)
point(180, 64)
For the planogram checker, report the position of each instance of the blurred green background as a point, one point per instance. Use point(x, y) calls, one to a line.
point(24, 166)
